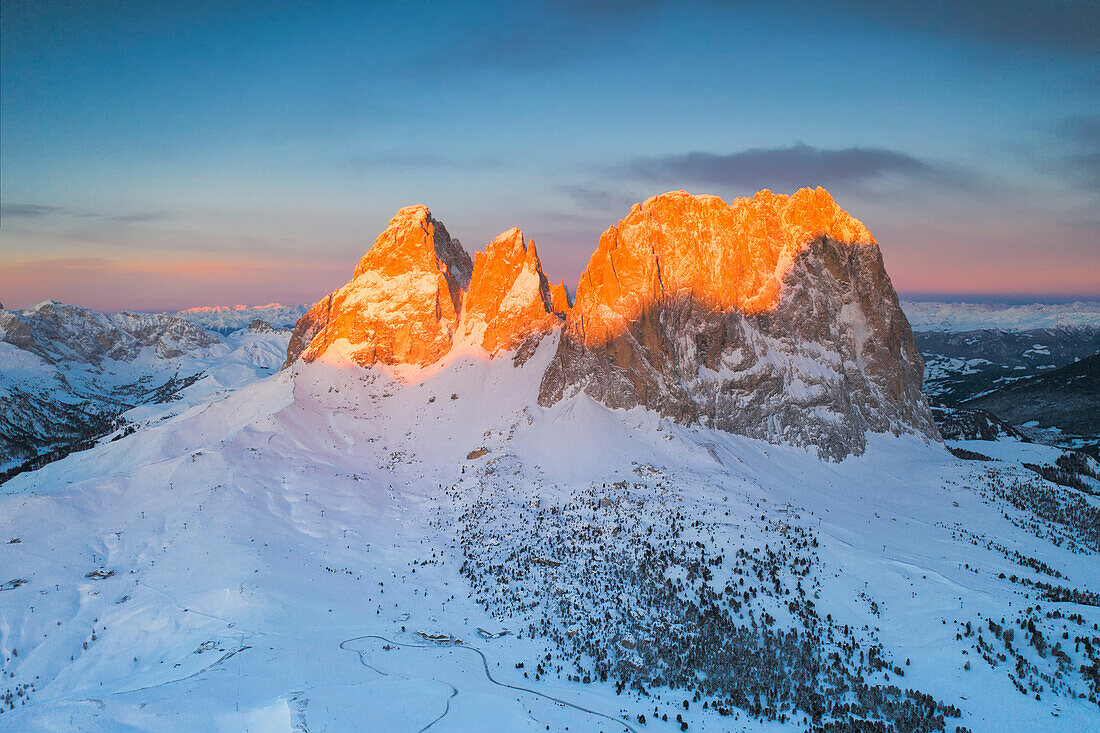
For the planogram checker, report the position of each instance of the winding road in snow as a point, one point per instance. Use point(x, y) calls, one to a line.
point(485, 665)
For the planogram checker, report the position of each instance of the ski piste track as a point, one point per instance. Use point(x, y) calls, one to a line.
point(619, 724)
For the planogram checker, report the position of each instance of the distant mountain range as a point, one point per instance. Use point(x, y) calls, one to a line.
point(69, 373)
point(226, 319)
point(1030, 366)
point(1057, 406)
point(958, 317)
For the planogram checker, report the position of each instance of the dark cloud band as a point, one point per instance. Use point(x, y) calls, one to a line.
point(40, 211)
point(787, 168)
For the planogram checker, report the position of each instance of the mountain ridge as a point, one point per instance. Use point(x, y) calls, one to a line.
point(71, 372)
point(681, 309)
point(966, 316)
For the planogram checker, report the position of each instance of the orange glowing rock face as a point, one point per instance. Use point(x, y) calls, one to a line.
point(730, 256)
point(403, 302)
point(408, 302)
point(509, 298)
point(559, 299)
point(771, 317)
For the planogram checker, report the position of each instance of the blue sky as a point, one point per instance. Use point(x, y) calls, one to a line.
point(162, 155)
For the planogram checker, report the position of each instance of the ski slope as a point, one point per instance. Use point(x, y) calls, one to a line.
point(272, 555)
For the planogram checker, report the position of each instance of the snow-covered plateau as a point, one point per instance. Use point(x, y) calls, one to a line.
point(399, 548)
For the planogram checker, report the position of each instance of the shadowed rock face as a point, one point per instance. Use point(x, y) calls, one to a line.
point(771, 317)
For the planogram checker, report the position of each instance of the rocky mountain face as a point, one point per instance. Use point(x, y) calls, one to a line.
point(416, 293)
point(771, 317)
point(559, 298)
point(509, 297)
point(403, 301)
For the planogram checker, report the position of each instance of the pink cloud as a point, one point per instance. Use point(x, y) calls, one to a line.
point(112, 284)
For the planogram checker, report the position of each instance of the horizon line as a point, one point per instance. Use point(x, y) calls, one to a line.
point(953, 298)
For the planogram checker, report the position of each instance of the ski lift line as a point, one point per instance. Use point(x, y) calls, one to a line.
point(229, 654)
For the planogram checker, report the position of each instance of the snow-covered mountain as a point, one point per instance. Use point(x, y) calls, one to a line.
point(958, 317)
point(69, 373)
point(771, 317)
point(1058, 406)
point(226, 319)
point(960, 365)
point(398, 531)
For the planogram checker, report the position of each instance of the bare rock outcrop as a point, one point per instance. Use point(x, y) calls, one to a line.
point(559, 299)
point(771, 317)
point(509, 298)
point(403, 302)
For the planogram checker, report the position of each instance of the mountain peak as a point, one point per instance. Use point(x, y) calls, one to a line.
point(559, 299)
point(730, 256)
point(45, 305)
point(812, 213)
point(509, 297)
point(704, 310)
point(414, 239)
point(402, 303)
point(770, 316)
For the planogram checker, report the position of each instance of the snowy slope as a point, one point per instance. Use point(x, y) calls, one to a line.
point(272, 552)
point(67, 372)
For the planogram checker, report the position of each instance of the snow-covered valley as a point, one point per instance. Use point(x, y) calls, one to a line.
point(339, 548)
point(69, 375)
point(1034, 366)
